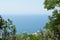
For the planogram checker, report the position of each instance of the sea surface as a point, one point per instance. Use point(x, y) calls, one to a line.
point(28, 23)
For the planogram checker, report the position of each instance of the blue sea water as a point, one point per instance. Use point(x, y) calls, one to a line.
point(28, 23)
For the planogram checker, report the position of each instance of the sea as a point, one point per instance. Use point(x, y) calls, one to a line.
point(28, 23)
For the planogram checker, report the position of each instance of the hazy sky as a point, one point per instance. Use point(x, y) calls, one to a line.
point(22, 7)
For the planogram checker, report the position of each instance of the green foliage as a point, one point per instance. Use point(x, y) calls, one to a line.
point(27, 37)
point(7, 28)
point(51, 4)
point(54, 21)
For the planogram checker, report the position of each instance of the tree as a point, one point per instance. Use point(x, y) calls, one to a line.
point(51, 4)
point(7, 28)
point(54, 21)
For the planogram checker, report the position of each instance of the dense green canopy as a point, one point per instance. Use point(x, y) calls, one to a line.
point(51, 4)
